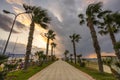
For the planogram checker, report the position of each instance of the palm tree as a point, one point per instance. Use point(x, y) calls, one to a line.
point(91, 12)
point(39, 54)
point(79, 58)
point(39, 16)
point(110, 26)
point(74, 38)
point(54, 48)
point(50, 36)
point(71, 55)
point(53, 45)
point(66, 53)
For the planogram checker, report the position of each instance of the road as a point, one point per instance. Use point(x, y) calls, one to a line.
point(60, 70)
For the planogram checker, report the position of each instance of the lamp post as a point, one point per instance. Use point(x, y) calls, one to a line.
point(16, 15)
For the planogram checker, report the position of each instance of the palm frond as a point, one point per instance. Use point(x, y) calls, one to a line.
point(115, 29)
point(39, 15)
point(101, 27)
point(45, 26)
point(93, 8)
point(96, 22)
point(102, 32)
point(81, 16)
point(82, 22)
point(103, 13)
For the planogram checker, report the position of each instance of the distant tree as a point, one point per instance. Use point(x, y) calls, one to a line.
point(79, 58)
point(40, 56)
point(50, 36)
point(74, 38)
point(71, 59)
point(53, 45)
point(66, 53)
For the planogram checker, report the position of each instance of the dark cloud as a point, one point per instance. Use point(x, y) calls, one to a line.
point(6, 23)
point(70, 24)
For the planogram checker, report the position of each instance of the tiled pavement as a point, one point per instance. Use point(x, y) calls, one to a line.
point(60, 70)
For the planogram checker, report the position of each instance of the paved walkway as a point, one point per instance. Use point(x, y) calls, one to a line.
point(60, 70)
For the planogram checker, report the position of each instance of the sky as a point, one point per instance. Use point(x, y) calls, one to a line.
point(64, 21)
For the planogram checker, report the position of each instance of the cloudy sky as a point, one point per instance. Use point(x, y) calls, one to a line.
point(64, 22)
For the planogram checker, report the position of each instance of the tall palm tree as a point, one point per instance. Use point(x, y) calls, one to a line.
point(50, 36)
point(39, 16)
point(91, 12)
point(75, 38)
point(66, 53)
point(110, 26)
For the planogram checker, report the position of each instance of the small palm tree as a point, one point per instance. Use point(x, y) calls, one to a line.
point(53, 45)
point(79, 58)
point(110, 26)
point(50, 35)
point(91, 12)
point(74, 38)
point(39, 16)
point(71, 59)
point(39, 54)
point(66, 53)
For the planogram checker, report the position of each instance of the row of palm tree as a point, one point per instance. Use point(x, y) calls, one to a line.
point(50, 35)
point(71, 57)
point(38, 16)
point(66, 52)
point(108, 23)
point(53, 46)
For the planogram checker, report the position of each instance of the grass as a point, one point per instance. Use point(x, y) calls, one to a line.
point(0, 69)
point(94, 73)
point(92, 65)
point(24, 75)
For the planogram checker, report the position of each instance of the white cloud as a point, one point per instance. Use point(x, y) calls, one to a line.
point(19, 2)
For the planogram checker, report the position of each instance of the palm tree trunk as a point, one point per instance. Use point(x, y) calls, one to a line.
point(74, 49)
point(52, 53)
point(47, 48)
point(29, 44)
point(112, 36)
point(115, 73)
point(96, 45)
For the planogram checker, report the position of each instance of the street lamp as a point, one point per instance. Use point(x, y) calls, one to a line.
point(7, 12)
